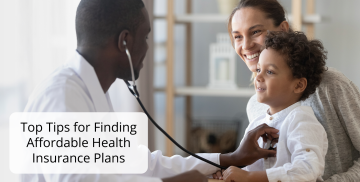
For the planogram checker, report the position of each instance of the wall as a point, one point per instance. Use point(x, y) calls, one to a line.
point(339, 32)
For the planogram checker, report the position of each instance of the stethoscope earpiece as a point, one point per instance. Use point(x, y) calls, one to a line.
point(130, 62)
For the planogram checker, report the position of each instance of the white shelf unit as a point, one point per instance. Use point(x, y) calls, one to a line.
point(219, 18)
point(296, 19)
point(204, 91)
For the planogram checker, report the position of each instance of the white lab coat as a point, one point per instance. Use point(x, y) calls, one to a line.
point(74, 87)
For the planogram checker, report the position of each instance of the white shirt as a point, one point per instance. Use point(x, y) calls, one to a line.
point(74, 87)
point(301, 146)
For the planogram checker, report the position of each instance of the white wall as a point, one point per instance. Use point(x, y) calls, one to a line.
point(36, 37)
point(340, 34)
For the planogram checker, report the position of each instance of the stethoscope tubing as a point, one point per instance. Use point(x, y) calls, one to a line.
point(134, 91)
point(172, 140)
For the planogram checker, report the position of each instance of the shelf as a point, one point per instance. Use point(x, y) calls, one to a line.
point(204, 91)
point(213, 18)
point(308, 18)
point(219, 18)
point(209, 18)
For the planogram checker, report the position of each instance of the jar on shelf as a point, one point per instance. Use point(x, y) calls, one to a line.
point(222, 63)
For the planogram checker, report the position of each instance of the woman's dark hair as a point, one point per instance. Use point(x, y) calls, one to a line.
point(272, 9)
point(306, 58)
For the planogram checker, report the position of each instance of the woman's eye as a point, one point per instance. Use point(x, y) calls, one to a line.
point(257, 31)
point(270, 72)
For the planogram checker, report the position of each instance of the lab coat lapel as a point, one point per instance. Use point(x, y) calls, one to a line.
point(87, 73)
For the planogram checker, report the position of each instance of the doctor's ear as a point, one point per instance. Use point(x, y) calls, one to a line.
point(124, 40)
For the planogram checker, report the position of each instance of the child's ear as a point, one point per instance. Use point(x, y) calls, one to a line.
point(300, 85)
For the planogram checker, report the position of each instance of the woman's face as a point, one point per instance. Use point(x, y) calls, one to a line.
point(249, 29)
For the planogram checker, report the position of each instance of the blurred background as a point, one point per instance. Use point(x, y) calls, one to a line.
point(37, 36)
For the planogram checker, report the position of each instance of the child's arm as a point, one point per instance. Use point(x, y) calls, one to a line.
point(235, 174)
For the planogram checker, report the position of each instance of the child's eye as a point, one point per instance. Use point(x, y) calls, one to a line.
point(269, 72)
point(258, 70)
point(238, 37)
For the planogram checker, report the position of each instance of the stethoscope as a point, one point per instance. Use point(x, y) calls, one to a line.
point(134, 91)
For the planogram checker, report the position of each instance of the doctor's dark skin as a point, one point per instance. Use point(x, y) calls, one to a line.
point(110, 62)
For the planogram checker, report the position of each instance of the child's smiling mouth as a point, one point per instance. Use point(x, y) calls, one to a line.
point(260, 89)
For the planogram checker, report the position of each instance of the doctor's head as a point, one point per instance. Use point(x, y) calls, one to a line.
point(248, 24)
point(103, 26)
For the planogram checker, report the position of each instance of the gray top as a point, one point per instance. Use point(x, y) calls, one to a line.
point(336, 104)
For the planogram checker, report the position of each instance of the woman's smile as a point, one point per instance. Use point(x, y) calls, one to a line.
point(252, 56)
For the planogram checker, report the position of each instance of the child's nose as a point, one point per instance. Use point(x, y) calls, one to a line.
point(259, 77)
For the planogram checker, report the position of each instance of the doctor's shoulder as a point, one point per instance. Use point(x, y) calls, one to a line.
point(61, 91)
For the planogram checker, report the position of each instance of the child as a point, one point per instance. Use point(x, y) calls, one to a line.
point(289, 70)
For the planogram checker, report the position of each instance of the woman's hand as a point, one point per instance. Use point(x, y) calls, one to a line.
point(249, 151)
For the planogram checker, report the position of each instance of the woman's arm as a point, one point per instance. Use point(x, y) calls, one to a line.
point(344, 97)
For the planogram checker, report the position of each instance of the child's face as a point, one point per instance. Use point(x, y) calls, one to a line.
point(274, 83)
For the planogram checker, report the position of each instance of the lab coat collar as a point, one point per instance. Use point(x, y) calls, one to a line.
point(87, 73)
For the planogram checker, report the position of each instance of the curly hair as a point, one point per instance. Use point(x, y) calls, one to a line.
point(306, 58)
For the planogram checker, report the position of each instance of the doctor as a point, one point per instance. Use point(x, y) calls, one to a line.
point(81, 85)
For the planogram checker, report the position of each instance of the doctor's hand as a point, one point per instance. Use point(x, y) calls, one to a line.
point(249, 150)
point(190, 176)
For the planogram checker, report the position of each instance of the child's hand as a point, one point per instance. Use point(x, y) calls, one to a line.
point(190, 176)
point(235, 174)
point(218, 175)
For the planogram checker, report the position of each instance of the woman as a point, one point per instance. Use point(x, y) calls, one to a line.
point(336, 102)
